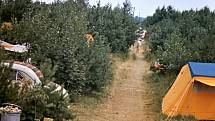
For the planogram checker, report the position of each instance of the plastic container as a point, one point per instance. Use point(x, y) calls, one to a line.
point(10, 116)
point(10, 112)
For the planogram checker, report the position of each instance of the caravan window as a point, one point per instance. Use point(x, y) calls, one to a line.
point(199, 87)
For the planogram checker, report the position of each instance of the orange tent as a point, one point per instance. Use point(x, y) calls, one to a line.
point(193, 92)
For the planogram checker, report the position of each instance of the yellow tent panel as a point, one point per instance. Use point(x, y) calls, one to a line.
point(206, 80)
point(191, 94)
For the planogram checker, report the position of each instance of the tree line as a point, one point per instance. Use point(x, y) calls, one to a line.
point(177, 37)
point(55, 33)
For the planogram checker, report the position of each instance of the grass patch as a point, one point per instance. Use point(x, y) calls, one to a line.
point(121, 56)
point(159, 86)
point(87, 101)
point(94, 98)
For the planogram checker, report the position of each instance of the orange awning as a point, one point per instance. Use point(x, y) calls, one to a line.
point(206, 80)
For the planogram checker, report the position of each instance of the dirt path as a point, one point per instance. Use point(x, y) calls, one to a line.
point(129, 97)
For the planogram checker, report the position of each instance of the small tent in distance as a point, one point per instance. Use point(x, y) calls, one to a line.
point(193, 92)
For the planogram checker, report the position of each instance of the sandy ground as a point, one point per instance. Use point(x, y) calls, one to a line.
point(129, 97)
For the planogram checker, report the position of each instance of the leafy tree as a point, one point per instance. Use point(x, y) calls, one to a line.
point(11, 9)
point(117, 25)
point(56, 34)
point(178, 37)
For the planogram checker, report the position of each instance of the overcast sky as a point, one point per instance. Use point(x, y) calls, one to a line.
point(146, 8)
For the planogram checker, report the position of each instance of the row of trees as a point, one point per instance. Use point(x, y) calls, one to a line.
point(178, 37)
point(11, 9)
point(55, 33)
point(117, 25)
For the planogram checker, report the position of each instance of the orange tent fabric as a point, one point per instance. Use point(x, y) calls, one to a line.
point(191, 95)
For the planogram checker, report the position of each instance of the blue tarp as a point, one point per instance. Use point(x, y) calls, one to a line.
point(202, 69)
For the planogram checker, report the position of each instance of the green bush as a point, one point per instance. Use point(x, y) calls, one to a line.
point(11, 9)
point(178, 37)
point(36, 103)
point(56, 35)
